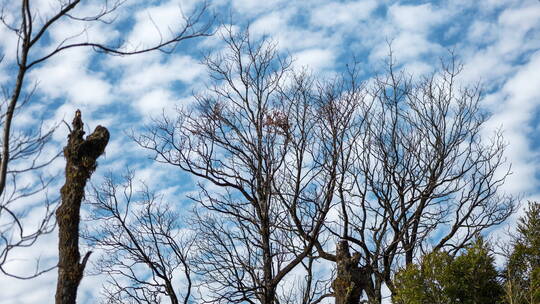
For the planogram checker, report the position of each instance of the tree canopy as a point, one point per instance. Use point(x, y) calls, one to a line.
point(440, 278)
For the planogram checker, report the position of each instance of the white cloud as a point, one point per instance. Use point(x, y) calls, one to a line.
point(250, 8)
point(517, 102)
point(154, 102)
point(417, 18)
point(140, 79)
point(7, 43)
point(272, 23)
point(158, 23)
point(347, 14)
point(407, 46)
point(315, 59)
point(518, 30)
point(418, 68)
point(482, 31)
point(66, 76)
point(408, 28)
point(292, 38)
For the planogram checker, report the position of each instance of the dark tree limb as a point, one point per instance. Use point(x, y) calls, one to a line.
point(351, 280)
point(81, 155)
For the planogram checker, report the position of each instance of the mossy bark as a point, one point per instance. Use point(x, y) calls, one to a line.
point(81, 155)
point(351, 280)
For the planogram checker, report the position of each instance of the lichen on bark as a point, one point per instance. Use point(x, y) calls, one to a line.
point(81, 161)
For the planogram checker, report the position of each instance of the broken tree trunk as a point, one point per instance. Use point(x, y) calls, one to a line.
point(81, 155)
point(351, 280)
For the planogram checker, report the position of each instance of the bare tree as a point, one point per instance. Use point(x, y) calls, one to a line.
point(404, 163)
point(261, 138)
point(22, 151)
point(81, 161)
point(145, 249)
point(423, 177)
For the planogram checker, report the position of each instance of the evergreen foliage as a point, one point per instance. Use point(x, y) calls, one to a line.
point(522, 285)
point(439, 278)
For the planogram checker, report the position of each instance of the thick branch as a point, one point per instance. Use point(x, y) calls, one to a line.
point(81, 155)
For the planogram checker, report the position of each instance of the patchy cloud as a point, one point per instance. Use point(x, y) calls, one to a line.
point(498, 41)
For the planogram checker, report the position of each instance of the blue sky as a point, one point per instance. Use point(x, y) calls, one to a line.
point(498, 42)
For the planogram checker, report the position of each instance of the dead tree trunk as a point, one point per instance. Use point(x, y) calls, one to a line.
point(351, 280)
point(81, 155)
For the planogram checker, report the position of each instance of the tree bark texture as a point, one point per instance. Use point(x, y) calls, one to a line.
point(351, 280)
point(81, 155)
